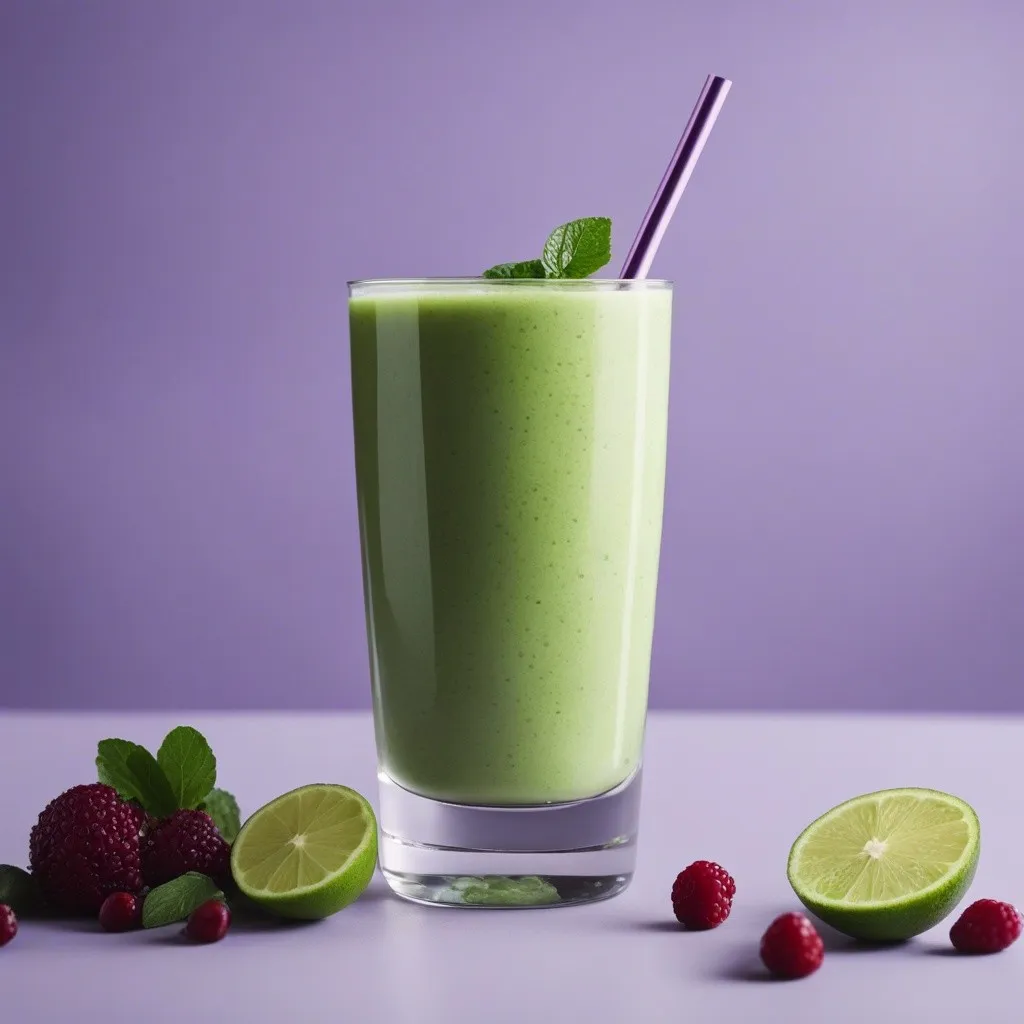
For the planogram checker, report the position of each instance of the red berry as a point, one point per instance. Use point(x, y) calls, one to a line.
point(85, 846)
point(8, 924)
point(702, 895)
point(120, 912)
point(986, 926)
point(209, 922)
point(186, 841)
point(792, 948)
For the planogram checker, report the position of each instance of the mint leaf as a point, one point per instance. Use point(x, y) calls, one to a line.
point(189, 765)
point(155, 792)
point(578, 248)
point(112, 767)
point(528, 268)
point(223, 808)
point(18, 890)
point(134, 773)
point(175, 900)
point(573, 250)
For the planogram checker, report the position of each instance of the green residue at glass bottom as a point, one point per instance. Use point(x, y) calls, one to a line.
point(499, 891)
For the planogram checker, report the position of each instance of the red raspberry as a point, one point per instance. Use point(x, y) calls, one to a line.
point(8, 924)
point(792, 948)
point(186, 841)
point(120, 912)
point(208, 922)
point(84, 846)
point(986, 926)
point(702, 895)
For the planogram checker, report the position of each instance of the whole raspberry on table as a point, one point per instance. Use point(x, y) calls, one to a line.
point(702, 895)
point(792, 947)
point(8, 924)
point(986, 926)
point(84, 846)
point(120, 912)
point(208, 922)
point(186, 841)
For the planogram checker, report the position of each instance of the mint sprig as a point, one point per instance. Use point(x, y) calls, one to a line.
point(575, 249)
point(175, 900)
point(182, 775)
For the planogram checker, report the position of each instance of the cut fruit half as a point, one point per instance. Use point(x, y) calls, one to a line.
point(307, 854)
point(888, 865)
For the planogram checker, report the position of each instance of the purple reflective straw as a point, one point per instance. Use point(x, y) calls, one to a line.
point(659, 213)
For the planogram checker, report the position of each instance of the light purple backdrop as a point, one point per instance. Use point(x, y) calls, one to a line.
point(185, 187)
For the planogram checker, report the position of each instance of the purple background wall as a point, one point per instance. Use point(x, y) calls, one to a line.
point(185, 187)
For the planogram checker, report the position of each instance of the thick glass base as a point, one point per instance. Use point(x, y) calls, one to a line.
point(547, 855)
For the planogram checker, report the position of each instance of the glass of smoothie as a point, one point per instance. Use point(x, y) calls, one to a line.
point(510, 460)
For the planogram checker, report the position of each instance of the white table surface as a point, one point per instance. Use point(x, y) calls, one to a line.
point(732, 788)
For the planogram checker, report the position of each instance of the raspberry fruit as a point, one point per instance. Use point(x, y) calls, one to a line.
point(209, 922)
point(84, 846)
point(8, 924)
point(702, 895)
point(792, 947)
point(986, 926)
point(120, 912)
point(186, 841)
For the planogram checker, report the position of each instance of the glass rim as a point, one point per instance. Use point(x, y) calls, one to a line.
point(480, 283)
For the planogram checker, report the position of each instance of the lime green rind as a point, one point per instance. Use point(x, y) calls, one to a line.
point(315, 907)
point(321, 899)
point(898, 919)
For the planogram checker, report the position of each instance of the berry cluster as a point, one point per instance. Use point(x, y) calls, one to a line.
point(91, 852)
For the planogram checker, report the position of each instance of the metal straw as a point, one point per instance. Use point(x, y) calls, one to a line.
point(659, 213)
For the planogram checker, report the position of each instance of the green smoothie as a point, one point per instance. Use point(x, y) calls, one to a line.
point(510, 460)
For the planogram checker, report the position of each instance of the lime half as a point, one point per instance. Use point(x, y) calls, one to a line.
point(308, 853)
point(887, 865)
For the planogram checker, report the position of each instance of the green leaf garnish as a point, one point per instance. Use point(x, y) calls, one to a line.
point(175, 900)
point(135, 774)
point(579, 248)
point(223, 808)
point(188, 764)
point(528, 268)
point(576, 249)
point(155, 793)
point(112, 767)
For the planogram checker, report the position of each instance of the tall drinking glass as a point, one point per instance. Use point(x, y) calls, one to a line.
point(510, 461)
